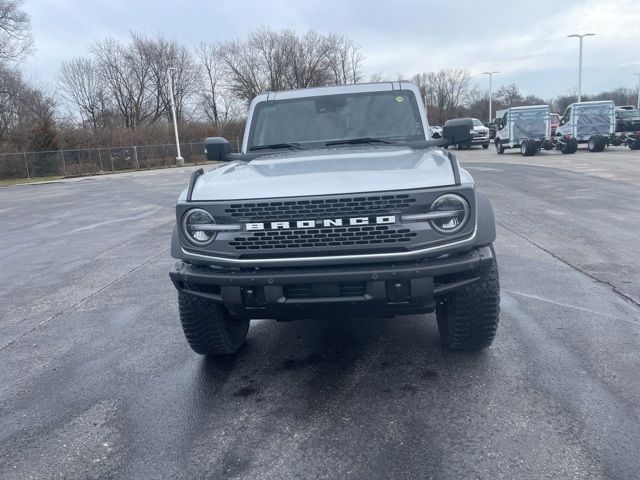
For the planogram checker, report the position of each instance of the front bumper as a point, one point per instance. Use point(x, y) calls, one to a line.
point(294, 293)
point(483, 140)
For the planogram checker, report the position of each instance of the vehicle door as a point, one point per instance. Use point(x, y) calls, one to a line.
point(502, 128)
point(564, 128)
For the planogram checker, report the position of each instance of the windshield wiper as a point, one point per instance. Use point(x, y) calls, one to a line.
point(277, 146)
point(354, 141)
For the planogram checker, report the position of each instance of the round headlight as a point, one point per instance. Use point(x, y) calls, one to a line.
point(452, 211)
point(197, 226)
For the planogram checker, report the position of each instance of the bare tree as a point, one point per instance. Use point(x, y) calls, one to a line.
point(422, 82)
point(186, 76)
point(446, 92)
point(478, 104)
point(216, 103)
point(16, 41)
point(269, 60)
point(378, 77)
point(11, 87)
point(26, 114)
point(509, 95)
point(127, 76)
point(345, 60)
point(83, 88)
point(160, 54)
point(308, 59)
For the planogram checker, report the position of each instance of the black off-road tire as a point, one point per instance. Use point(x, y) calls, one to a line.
point(635, 145)
point(499, 147)
point(468, 318)
point(570, 147)
point(574, 145)
point(485, 145)
point(209, 328)
point(597, 143)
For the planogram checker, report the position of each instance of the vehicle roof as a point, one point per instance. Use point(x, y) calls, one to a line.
point(337, 89)
point(593, 102)
point(529, 107)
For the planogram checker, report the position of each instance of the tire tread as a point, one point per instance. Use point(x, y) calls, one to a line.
point(206, 326)
point(468, 318)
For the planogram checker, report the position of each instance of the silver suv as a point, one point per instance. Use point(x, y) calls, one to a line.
point(339, 205)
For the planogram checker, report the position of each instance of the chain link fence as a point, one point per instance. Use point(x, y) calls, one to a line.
point(92, 161)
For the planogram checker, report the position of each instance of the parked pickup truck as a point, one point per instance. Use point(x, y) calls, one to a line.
point(338, 205)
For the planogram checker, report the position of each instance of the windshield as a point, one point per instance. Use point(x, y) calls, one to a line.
point(477, 123)
point(629, 114)
point(389, 115)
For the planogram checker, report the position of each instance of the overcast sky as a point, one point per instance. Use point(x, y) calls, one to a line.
point(527, 44)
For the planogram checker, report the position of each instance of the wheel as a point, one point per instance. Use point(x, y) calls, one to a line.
point(528, 147)
point(468, 318)
point(570, 146)
point(574, 145)
point(635, 145)
point(435, 136)
point(485, 145)
point(446, 147)
point(459, 146)
point(597, 143)
point(209, 328)
point(499, 147)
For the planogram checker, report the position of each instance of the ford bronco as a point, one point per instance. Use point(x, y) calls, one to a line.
point(339, 205)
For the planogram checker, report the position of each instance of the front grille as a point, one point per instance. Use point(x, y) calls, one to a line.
point(297, 291)
point(353, 289)
point(344, 289)
point(320, 208)
point(323, 237)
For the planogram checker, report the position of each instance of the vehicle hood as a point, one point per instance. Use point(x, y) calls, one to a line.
point(327, 172)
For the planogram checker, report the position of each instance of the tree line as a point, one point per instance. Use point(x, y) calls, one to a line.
point(119, 93)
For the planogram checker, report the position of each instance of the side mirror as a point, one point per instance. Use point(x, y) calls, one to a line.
point(458, 131)
point(216, 148)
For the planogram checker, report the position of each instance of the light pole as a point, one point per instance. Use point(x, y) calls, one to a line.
point(490, 93)
point(638, 74)
point(580, 36)
point(179, 159)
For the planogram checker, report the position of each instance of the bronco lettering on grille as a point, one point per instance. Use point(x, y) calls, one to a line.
point(329, 222)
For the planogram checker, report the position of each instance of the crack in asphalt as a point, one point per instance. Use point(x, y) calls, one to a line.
point(82, 300)
point(614, 289)
point(567, 305)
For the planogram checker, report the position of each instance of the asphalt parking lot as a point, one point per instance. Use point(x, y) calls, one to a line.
point(97, 380)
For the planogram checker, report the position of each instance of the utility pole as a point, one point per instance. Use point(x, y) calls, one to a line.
point(179, 159)
point(580, 36)
point(490, 93)
point(638, 74)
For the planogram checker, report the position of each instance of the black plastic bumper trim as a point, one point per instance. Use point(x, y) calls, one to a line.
point(233, 284)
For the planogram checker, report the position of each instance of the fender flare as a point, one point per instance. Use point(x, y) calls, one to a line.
point(486, 224)
point(175, 244)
